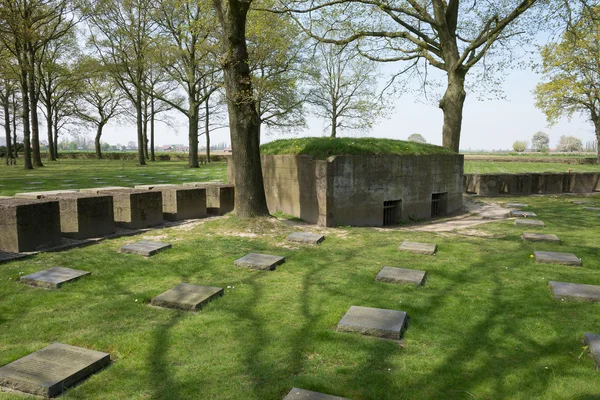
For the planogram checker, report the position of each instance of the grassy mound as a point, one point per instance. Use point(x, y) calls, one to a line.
point(323, 147)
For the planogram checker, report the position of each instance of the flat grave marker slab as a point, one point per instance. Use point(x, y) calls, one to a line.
point(523, 214)
point(302, 394)
point(582, 203)
point(53, 278)
point(376, 322)
point(418, 248)
point(591, 208)
point(575, 291)
point(305, 237)
point(592, 341)
point(530, 222)
point(540, 237)
point(401, 275)
point(144, 248)
point(186, 296)
point(517, 205)
point(49, 371)
point(259, 261)
point(550, 257)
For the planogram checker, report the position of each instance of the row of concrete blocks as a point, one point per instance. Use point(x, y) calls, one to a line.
point(537, 183)
point(36, 220)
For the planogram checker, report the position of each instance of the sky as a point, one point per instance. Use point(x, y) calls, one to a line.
point(487, 125)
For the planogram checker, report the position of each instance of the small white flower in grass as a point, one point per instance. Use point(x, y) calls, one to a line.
point(136, 300)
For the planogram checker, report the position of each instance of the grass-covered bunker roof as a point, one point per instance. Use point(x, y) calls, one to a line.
point(323, 147)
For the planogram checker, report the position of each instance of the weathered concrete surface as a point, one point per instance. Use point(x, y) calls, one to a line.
point(180, 202)
point(28, 225)
point(575, 291)
point(133, 208)
point(373, 322)
point(540, 237)
point(418, 248)
point(534, 183)
point(50, 371)
point(53, 278)
point(530, 222)
point(302, 394)
point(145, 248)
point(187, 297)
point(83, 215)
point(592, 341)
point(352, 190)
point(259, 261)
point(523, 214)
point(549, 257)
point(305, 237)
point(155, 186)
point(104, 189)
point(591, 208)
point(42, 195)
point(220, 197)
point(401, 275)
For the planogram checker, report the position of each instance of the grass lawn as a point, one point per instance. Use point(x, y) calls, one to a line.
point(74, 174)
point(484, 326)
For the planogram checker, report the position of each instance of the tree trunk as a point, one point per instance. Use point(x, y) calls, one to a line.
point(6, 108)
point(97, 141)
point(49, 126)
point(452, 105)
point(14, 126)
point(193, 135)
point(145, 129)
point(333, 127)
point(207, 128)
point(35, 125)
point(25, 115)
point(140, 128)
point(55, 137)
point(152, 158)
point(597, 126)
point(250, 199)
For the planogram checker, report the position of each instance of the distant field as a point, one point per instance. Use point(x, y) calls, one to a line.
point(491, 167)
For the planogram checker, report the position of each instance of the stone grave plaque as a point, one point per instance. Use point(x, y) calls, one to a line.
point(540, 237)
point(592, 341)
point(49, 371)
point(530, 222)
point(305, 237)
point(575, 291)
point(517, 205)
point(418, 248)
point(53, 278)
point(582, 203)
point(523, 214)
point(145, 248)
point(373, 322)
point(259, 261)
point(34, 183)
point(549, 257)
point(302, 394)
point(591, 208)
point(401, 275)
point(186, 296)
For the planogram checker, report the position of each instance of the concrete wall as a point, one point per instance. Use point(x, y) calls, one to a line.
point(536, 183)
point(28, 225)
point(351, 190)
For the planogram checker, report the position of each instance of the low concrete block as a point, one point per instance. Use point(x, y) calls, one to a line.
point(401, 275)
point(582, 202)
point(181, 203)
point(187, 297)
point(53, 278)
point(373, 322)
point(133, 208)
point(28, 225)
point(592, 341)
point(575, 291)
point(220, 197)
point(50, 371)
point(522, 214)
point(259, 261)
point(145, 248)
point(530, 222)
point(591, 208)
point(516, 205)
point(418, 248)
point(305, 237)
point(540, 237)
point(549, 257)
point(302, 394)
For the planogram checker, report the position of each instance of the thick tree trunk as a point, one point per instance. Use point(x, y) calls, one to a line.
point(152, 158)
point(6, 109)
point(193, 135)
point(35, 125)
point(25, 115)
point(140, 128)
point(14, 126)
point(333, 127)
point(207, 128)
point(49, 126)
point(452, 105)
point(597, 126)
point(97, 143)
point(55, 137)
point(250, 199)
